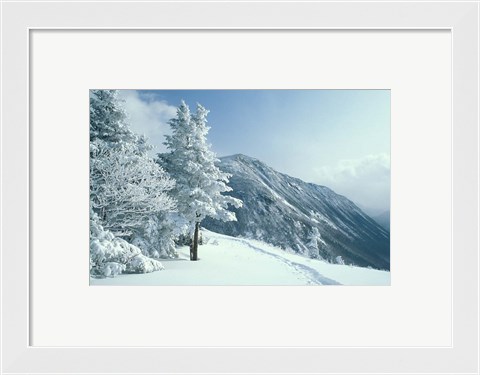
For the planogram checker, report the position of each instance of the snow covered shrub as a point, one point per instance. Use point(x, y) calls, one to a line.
point(111, 256)
point(339, 260)
point(112, 269)
point(157, 238)
point(143, 264)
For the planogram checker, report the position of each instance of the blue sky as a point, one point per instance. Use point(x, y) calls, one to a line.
point(337, 138)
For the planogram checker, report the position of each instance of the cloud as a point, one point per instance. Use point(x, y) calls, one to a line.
point(366, 181)
point(149, 117)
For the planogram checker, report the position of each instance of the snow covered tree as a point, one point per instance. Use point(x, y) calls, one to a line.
point(108, 119)
point(312, 246)
point(109, 127)
point(128, 190)
point(199, 182)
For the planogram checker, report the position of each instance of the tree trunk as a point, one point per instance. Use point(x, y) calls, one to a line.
point(194, 246)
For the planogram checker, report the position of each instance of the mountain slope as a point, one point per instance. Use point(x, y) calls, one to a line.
point(284, 211)
point(383, 219)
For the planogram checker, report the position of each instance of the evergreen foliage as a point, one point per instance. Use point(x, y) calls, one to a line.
point(128, 193)
point(200, 184)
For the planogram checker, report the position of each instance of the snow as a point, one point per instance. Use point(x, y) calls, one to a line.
point(110, 255)
point(225, 260)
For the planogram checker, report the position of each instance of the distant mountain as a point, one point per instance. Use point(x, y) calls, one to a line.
point(383, 219)
point(299, 216)
point(380, 216)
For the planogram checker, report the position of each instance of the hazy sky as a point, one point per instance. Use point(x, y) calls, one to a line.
point(336, 138)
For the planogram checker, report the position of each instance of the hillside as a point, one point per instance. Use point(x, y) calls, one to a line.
point(302, 217)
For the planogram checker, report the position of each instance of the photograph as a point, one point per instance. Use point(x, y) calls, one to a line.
point(239, 187)
point(274, 187)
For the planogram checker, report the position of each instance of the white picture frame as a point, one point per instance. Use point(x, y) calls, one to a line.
point(19, 19)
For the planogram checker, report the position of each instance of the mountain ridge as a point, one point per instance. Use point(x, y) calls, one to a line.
point(300, 216)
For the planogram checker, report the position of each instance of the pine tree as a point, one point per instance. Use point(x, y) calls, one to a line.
point(313, 243)
point(199, 182)
point(108, 120)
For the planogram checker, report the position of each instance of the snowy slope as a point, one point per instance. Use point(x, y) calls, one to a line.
point(227, 260)
point(284, 211)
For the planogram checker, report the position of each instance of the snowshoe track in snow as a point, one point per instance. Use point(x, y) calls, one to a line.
point(310, 274)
